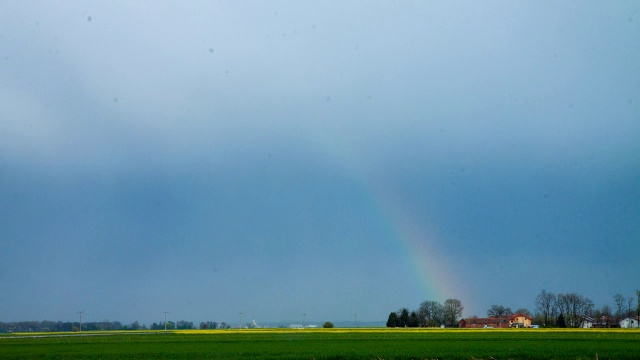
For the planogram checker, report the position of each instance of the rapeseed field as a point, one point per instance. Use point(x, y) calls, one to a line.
point(360, 343)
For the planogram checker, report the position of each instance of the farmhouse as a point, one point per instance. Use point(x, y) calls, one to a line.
point(591, 322)
point(587, 322)
point(630, 322)
point(512, 320)
point(489, 322)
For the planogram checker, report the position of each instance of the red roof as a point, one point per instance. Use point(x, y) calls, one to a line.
point(514, 316)
point(482, 321)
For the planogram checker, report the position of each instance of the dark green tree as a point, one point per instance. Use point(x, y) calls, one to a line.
point(184, 325)
point(561, 322)
point(327, 325)
point(393, 320)
point(414, 320)
point(404, 317)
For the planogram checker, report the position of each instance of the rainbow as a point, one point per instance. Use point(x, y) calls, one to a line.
point(418, 241)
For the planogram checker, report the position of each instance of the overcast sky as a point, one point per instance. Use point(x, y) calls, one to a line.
point(328, 158)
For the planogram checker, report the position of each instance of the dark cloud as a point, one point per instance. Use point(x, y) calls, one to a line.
point(192, 159)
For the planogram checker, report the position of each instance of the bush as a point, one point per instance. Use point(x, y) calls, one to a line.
point(327, 325)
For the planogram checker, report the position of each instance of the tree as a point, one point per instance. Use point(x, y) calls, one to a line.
point(629, 305)
point(618, 300)
point(524, 311)
point(452, 310)
point(544, 304)
point(499, 311)
point(586, 307)
point(404, 318)
point(327, 325)
point(561, 321)
point(414, 321)
point(562, 303)
point(537, 319)
point(573, 307)
point(638, 304)
point(184, 325)
point(393, 319)
point(209, 325)
point(605, 314)
point(430, 313)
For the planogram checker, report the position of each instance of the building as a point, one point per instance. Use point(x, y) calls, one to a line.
point(490, 322)
point(591, 322)
point(519, 320)
point(630, 322)
point(512, 320)
point(587, 322)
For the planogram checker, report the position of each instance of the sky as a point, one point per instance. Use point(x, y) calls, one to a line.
point(336, 159)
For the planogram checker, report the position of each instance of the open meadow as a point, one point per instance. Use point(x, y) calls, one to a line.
point(328, 344)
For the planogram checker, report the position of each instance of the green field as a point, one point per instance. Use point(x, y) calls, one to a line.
point(330, 344)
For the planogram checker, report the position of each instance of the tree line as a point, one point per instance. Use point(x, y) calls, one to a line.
point(569, 310)
point(59, 326)
point(428, 314)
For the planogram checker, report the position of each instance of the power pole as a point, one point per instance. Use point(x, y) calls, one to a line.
point(165, 320)
point(355, 320)
point(240, 314)
point(304, 319)
point(80, 312)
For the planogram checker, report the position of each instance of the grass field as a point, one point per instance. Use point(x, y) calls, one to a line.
point(330, 344)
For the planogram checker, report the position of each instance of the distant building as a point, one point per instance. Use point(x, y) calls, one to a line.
point(591, 322)
point(512, 320)
point(630, 322)
point(587, 322)
point(519, 320)
point(490, 322)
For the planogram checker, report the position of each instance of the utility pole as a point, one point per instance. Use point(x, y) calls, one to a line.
point(165, 320)
point(638, 307)
point(355, 320)
point(80, 312)
point(304, 319)
point(240, 314)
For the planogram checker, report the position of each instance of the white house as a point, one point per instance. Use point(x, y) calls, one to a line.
point(587, 322)
point(629, 323)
